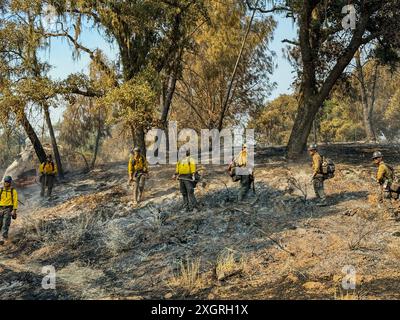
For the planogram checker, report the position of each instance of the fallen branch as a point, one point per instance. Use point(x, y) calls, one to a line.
point(276, 242)
point(235, 209)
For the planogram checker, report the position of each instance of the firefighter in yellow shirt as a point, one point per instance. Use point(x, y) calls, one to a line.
point(245, 174)
point(185, 172)
point(385, 177)
point(317, 176)
point(138, 170)
point(47, 171)
point(8, 208)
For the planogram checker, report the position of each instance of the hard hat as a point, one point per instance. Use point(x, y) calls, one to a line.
point(312, 147)
point(377, 154)
point(137, 149)
point(244, 145)
point(8, 179)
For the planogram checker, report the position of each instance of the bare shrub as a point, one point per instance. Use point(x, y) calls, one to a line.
point(76, 232)
point(298, 184)
point(362, 230)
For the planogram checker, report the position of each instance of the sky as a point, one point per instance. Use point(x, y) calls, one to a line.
point(59, 55)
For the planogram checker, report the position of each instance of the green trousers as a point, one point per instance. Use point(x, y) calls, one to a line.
point(318, 184)
point(245, 184)
point(187, 190)
point(5, 220)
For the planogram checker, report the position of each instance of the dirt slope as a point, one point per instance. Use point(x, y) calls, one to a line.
point(277, 245)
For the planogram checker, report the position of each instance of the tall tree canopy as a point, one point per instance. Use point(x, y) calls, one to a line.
point(149, 35)
point(325, 47)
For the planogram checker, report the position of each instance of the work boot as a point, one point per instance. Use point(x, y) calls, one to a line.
point(1, 240)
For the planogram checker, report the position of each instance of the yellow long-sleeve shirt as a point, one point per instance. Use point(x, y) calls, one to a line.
point(316, 163)
point(384, 173)
point(136, 164)
point(241, 159)
point(7, 199)
point(186, 166)
point(48, 168)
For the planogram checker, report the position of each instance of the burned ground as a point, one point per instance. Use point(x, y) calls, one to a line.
point(277, 245)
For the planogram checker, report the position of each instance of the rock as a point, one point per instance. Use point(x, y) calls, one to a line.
point(168, 295)
point(396, 234)
point(292, 278)
point(312, 286)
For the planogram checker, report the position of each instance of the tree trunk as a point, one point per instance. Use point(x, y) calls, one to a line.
point(166, 99)
point(138, 137)
point(96, 147)
point(30, 132)
point(87, 168)
point(313, 94)
point(302, 128)
point(366, 104)
point(53, 142)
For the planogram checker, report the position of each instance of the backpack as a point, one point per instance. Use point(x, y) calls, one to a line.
point(393, 175)
point(51, 163)
point(197, 178)
point(12, 194)
point(394, 184)
point(232, 172)
point(328, 168)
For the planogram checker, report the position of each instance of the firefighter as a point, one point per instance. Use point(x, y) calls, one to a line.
point(317, 176)
point(186, 174)
point(385, 177)
point(47, 171)
point(8, 208)
point(138, 170)
point(243, 172)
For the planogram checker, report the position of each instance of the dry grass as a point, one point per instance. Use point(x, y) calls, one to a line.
point(188, 276)
point(394, 251)
point(117, 240)
point(341, 294)
point(35, 229)
point(74, 233)
point(228, 265)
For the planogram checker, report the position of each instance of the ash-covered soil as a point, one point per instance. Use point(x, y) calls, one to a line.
point(276, 245)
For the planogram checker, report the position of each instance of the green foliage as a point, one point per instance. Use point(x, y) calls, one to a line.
point(274, 122)
point(133, 102)
point(341, 121)
point(207, 70)
point(11, 144)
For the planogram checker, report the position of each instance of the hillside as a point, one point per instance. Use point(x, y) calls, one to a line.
point(276, 245)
